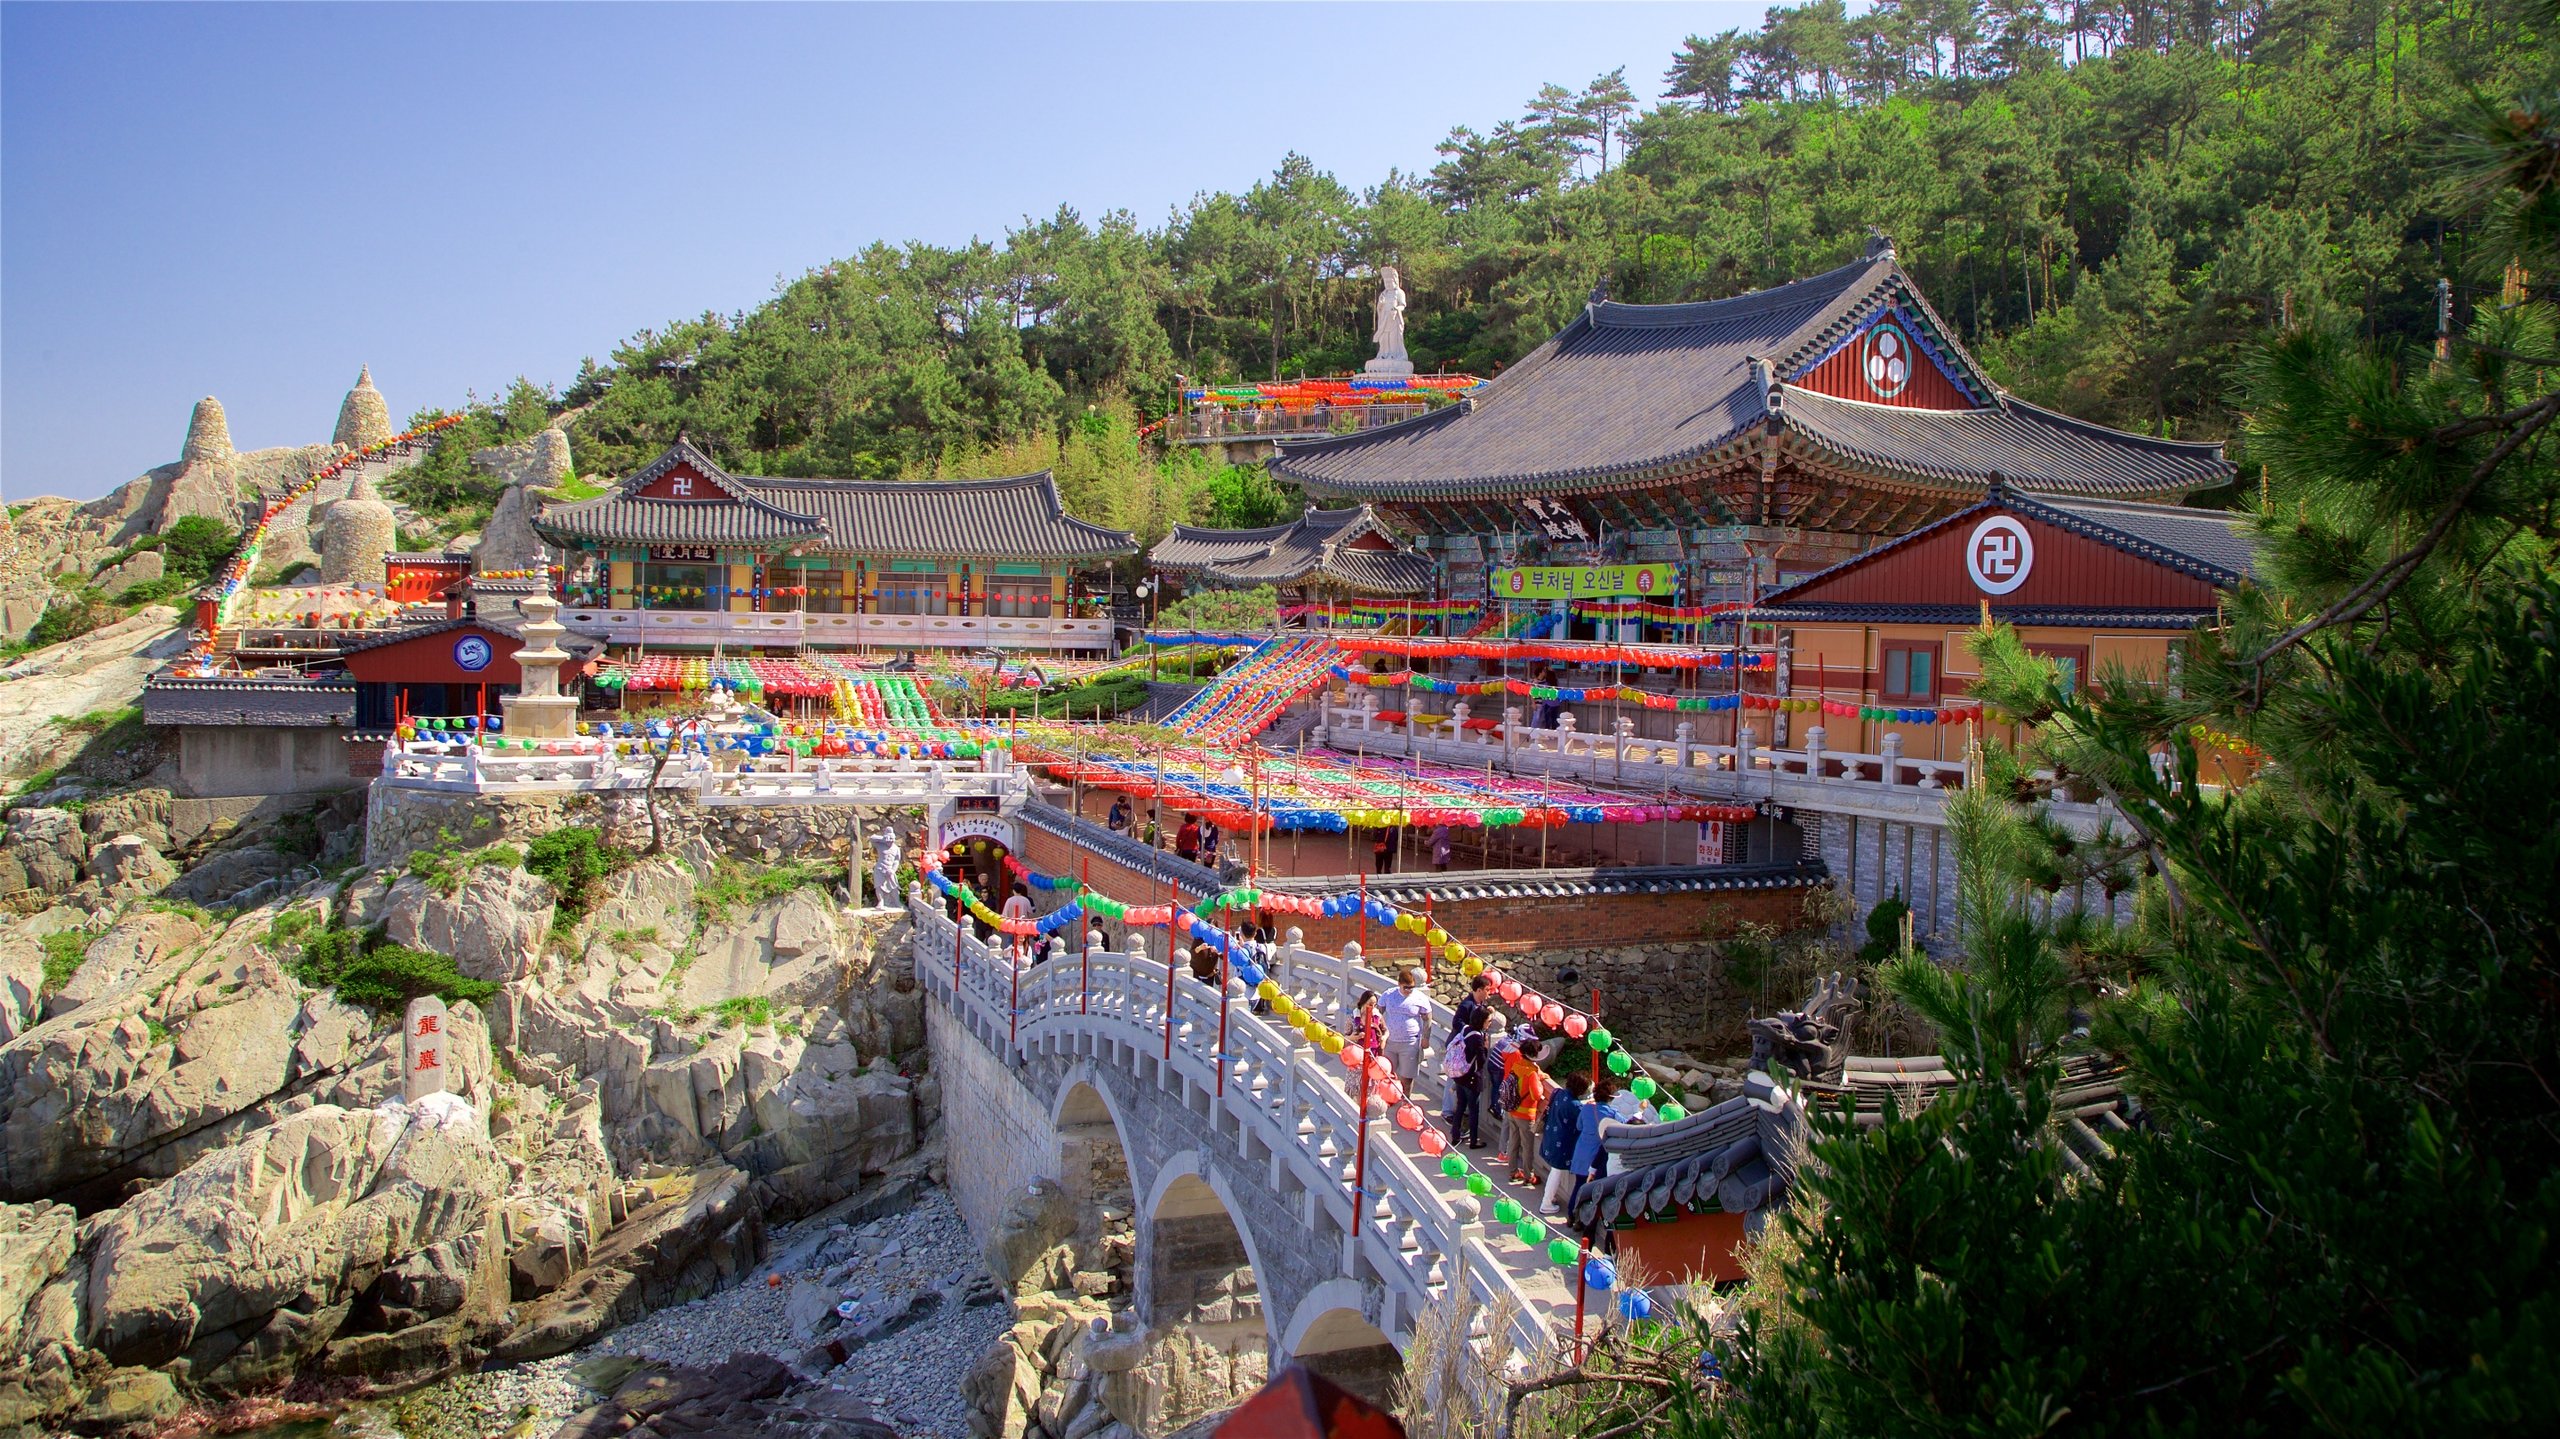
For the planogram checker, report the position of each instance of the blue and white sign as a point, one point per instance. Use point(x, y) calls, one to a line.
point(472, 652)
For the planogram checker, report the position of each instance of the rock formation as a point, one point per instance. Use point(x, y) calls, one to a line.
point(508, 542)
point(363, 418)
point(360, 530)
point(208, 435)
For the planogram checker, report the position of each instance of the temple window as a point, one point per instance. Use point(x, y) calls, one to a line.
point(1910, 671)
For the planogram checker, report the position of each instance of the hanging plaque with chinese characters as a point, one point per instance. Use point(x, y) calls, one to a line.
point(422, 1051)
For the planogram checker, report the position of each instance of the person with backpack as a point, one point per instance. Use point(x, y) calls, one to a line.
point(1521, 1099)
point(1468, 1015)
point(1560, 1131)
point(1464, 1067)
point(1591, 1122)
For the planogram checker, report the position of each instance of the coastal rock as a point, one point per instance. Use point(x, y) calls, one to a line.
point(49, 845)
point(249, 1260)
point(142, 568)
point(233, 872)
point(127, 862)
point(491, 925)
point(746, 1394)
point(697, 1232)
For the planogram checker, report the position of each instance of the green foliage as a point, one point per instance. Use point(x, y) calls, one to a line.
point(98, 722)
point(753, 1011)
point(2335, 1004)
point(1223, 611)
point(445, 868)
point(74, 611)
point(735, 886)
point(65, 950)
point(194, 547)
point(443, 486)
point(1246, 497)
point(574, 861)
point(367, 971)
point(1884, 930)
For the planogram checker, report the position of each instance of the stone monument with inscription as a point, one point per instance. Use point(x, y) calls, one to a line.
point(422, 1051)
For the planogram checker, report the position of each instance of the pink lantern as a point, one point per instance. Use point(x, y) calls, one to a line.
point(1408, 1117)
point(1551, 1016)
point(1511, 991)
point(1576, 1026)
point(1353, 1056)
point(1378, 1068)
point(1387, 1091)
point(1432, 1143)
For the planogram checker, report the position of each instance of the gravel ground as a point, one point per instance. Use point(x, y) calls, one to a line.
point(912, 1377)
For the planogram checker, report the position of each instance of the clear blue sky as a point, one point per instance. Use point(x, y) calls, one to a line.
point(251, 201)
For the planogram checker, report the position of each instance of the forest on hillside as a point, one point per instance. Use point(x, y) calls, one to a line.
point(2114, 201)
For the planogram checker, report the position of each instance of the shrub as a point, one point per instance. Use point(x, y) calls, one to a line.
point(365, 970)
point(751, 1010)
point(195, 546)
point(733, 884)
point(574, 861)
point(73, 613)
point(443, 869)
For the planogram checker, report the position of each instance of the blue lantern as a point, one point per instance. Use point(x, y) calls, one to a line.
point(1636, 1305)
point(1599, 1273)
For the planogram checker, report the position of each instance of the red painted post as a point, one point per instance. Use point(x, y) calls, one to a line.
point(1172, 932)
point(1223, 986)
point(1360, 1156)
point(1084, 998)
point(1579, 1282)
point(1595, 1024)
point(1426, 936)
point(1013, 1007)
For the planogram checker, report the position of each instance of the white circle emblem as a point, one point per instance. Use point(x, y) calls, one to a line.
point(1888, 360)
point(471, 652)
point(1998, 555)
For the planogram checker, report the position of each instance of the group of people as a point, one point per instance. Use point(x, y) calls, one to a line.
point(1550, 1130)
point(1195, 840)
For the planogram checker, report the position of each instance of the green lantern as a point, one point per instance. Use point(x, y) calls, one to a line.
point(1620, 1061)
point(1563, 1251)
point(1478, 1185)
point(1453, 1165)
point(1531, 1230)
point(1671, 1112)
point(1642, 1086)
point(1600, 1039)
point(1508, 1210)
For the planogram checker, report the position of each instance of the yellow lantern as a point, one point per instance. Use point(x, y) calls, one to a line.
point(1471, 967)
point(1438, 936)
point(1332, 1042)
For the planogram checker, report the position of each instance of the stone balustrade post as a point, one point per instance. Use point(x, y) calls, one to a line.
point(1684, 736)
point(1342, 980)
point(1510, 729)
point(1621, 732)
point(1892, 750)
point(1566, 727)
point(1458, 714)
point(1745, 740)
point(1813, 740)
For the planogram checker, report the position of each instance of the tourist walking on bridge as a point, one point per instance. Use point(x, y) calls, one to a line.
point(1407, 1011)
point(1522, 1098)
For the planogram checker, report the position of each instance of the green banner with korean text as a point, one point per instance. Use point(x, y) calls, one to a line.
point(1585, 582)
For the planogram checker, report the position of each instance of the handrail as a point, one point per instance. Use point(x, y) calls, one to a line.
point(1295, 1106)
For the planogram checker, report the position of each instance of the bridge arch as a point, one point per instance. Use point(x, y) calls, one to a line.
point(1331, 1332)
point(1093, 1164)
point(1201, 1266)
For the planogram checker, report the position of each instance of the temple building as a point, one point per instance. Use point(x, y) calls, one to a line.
point(1323, 555)
point(1744, 443)
point(685, 553)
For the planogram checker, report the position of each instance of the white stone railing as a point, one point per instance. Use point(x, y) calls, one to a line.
point(593, 765)
point(793, 627)
point(1815, 775)
point(1278, 1097)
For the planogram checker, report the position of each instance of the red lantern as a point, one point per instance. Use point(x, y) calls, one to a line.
point(1575, 1026)
point(1408, 1117)
point(1431, 1142)
point(1552, 1016)
point(1511, 991)
point(1353, 1056)
point(1388, 1092)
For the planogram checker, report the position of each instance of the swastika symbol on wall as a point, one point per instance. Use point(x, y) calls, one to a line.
point(681, 485)
point(1998, 555)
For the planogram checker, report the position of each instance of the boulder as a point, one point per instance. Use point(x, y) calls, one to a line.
point(181, 1056)
point(492, 924)
point(748, 1394)
point(130, 1398)
point(128, 863)
point(248, 1261)
point(37, 1242)
point(224, 877)
point(697, 1232)
point(133, 947)
point(140, 569)
point(146, 812)
point(1032, 1223)
point(49, 845)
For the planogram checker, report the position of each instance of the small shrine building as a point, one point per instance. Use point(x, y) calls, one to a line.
point(1324, 556)
point(684, 553)
point(1726, 446)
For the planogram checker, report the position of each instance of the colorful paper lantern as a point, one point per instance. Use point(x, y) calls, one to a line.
point(1563, 1251)
point(1531, 1229)
point(1453, 1165)
point(1642, 1086)
point(1620, 1062)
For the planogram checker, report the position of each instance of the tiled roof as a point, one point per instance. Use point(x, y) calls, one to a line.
point(1712, 1157)
point(577, 645)
point(1625, 393)
point(244, 701)
point(1160, 865)
point(1643, 880)
point(1816, 612)
point(2014, 440)
point(1019, 518)
point(2210, 545)
point(1318, 542)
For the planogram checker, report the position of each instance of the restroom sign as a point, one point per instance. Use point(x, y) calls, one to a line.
point(1999, 554)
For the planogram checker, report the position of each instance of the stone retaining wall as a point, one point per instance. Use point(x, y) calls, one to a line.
point(401, 821)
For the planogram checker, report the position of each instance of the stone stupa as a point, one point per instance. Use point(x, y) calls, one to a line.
point(363, 418)
point(358, 532)
point(208, 435)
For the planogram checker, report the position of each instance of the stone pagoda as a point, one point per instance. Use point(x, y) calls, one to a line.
point(537, 710)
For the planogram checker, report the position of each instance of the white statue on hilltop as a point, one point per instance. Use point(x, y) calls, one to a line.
point(1389, 333)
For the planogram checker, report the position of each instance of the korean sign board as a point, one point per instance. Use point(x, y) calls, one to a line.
point(1585, 582)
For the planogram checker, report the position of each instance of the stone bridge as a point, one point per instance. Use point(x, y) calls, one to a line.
point(1235, 1144)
